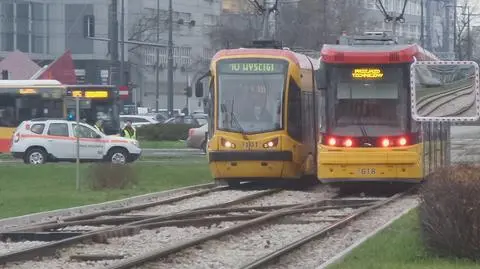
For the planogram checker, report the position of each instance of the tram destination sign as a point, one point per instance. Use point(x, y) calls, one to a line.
point(252, 67)
point(367, 73)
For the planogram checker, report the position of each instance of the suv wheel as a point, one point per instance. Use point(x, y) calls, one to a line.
point(35, 156)
point(118, 156)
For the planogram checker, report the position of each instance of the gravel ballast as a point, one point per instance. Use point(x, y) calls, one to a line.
point(315, 253)
point(59, 215)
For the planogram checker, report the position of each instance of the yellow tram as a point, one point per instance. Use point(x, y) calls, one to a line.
point(263, 107)
point(367, 131)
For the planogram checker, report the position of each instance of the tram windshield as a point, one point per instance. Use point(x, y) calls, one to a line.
point(368, 100)
point(250, 94)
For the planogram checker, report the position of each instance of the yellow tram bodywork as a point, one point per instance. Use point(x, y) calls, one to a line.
point(410, 163)
point(401, 164)
point(370, 164)
point(287, 159)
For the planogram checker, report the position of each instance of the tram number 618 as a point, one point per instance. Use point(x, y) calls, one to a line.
point(367, 171)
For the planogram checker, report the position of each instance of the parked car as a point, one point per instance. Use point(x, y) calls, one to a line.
point(38, 141)
point(197, 121)
point(139, 120)
point(197, 138)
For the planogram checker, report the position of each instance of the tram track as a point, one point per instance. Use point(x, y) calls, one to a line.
point(271, 224)
point(78, 229)
point(274, 228)
point(434, 103)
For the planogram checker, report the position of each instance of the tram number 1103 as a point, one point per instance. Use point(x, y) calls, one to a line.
point(367, 171)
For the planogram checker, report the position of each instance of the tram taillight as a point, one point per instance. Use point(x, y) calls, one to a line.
point(348, 142)
point(332, 141)
point(385, 142)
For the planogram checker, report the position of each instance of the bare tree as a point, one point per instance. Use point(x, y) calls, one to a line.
point(145, 27)
point(464, 18)
point(234, 30)
point(308, 24)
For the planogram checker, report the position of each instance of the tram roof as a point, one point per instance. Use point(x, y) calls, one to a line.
point(375, 54)
point(298, 58)
point(30, 83)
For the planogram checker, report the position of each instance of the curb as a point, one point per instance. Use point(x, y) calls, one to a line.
point(35, 217)
point(341, 256)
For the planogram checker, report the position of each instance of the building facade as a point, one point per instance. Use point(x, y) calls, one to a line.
point(192, 23)
point(45, 29)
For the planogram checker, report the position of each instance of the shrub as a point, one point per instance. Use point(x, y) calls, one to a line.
point(111, 176)
point(158, 132)
point(450, 212)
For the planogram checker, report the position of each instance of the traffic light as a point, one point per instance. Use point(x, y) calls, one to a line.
point(188, 91)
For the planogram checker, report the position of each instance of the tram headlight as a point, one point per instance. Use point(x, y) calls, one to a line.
point(270, 144)
point(227, 143)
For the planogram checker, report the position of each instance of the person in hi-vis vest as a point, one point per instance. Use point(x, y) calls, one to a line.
point(128, 131)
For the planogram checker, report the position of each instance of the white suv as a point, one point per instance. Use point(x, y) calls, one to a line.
point(40, 140)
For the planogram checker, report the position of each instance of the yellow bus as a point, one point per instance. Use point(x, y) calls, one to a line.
point(27, 99)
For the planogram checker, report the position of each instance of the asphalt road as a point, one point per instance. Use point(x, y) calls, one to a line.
point(171, 152)
point(465, 145)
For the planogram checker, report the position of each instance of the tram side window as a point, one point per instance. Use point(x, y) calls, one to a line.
point(294, 111)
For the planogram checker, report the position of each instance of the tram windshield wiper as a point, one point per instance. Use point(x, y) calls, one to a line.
point(234, 119)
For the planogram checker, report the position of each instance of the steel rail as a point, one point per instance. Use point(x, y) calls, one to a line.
point(102, 235)
point(117, 210)
point(433, 98)
point(269, 258)
point(423, 98)
point(437, 106)
point(156, 254)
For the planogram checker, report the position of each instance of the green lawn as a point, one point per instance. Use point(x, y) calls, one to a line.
point(26, 189)
point(398, 247)
point(162, 144)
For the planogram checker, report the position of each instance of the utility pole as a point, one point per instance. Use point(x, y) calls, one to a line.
point(469, 36)
point(325, 28)
point(157, 61)
point(266, 14)
point(114, 42)
point(170, 58)
point(455, 29)
point(422, 24)
point(122, 44)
